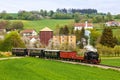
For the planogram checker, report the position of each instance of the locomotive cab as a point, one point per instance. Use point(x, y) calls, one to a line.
point(91, 57)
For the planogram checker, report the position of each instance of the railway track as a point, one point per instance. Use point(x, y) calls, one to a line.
point(109, 67)
point(92, 65)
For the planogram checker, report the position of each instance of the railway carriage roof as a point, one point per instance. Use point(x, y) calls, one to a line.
point(36, 48)
point(68, 51)
point(52, 50)
point(31, 48)
point(19, 48)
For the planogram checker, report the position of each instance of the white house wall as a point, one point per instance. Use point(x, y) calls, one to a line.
point(80, 27)
point(34, 33)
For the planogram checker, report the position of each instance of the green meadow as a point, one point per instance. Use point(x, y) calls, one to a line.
point(41, 69)
point(114, 61)
point(51, 23)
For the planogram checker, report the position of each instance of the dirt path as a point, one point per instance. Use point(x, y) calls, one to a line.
point(10, 58)
point(110, 58)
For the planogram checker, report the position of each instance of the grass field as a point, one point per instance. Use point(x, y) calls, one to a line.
point(51, 23)
point(114, 61)
point(38, 69)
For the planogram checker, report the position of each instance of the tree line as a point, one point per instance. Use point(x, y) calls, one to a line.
point(82, 14)
point(59, 14)
point(81, 11)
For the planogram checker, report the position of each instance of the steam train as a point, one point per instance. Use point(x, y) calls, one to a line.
point(88, 57)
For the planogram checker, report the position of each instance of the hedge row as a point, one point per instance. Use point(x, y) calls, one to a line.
point(107, 51)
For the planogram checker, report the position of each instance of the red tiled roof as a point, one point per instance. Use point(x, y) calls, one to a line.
point(28, 31)
point(110, 21)
point(113, 23)
point(82, 24)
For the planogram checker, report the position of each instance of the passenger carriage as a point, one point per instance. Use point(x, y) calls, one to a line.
point(19, 51)
point(52, 54)
point(34, 52)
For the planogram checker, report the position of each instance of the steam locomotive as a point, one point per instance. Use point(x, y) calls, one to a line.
point(88, 57)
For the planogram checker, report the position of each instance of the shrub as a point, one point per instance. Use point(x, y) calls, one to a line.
point(5, 54)
point(108, 51)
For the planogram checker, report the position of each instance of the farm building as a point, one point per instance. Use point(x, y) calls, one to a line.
point(86, 25)
point(45, 35)
point(112, 23)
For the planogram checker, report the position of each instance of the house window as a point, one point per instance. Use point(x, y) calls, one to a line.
point(71, 44)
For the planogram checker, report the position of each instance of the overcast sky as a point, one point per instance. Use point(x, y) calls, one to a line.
point(105, 6)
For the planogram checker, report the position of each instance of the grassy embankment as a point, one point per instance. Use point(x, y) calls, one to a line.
point(40, 69)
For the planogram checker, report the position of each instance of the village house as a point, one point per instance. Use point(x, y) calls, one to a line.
point(86, 25)
point(30, 37)
point(112, 23)
point(34, 40)
point(31, 41)
point(28, 32)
